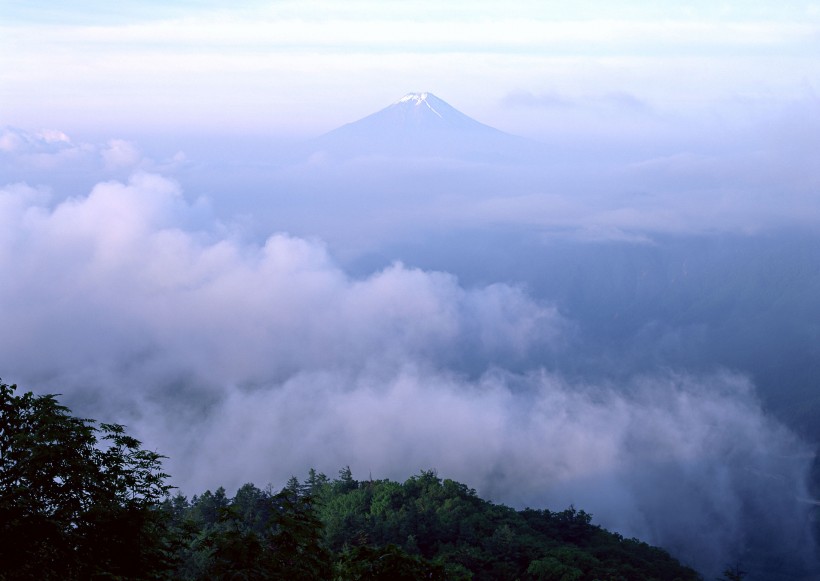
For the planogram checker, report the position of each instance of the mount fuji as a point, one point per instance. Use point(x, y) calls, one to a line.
point(422, 125)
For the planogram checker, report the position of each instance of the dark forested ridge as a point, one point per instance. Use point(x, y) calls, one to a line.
point(72, 508)
point(424, 528)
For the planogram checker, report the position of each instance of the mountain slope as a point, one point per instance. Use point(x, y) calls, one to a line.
point(417, 113)
point(422, 125)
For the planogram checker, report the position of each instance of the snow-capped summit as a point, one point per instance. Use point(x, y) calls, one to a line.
point(418, 125)
point(416, 98)
point(421, 99)
point(425, 110)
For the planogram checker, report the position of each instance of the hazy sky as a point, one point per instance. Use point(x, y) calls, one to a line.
point(306, 67)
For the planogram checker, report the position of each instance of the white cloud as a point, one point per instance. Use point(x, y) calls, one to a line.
point(120, 154)
point(246, 362)
point(53, 136)
point(690, 463)
point(222, 305)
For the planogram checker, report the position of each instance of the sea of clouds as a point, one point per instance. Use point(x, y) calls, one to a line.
point(246, 361)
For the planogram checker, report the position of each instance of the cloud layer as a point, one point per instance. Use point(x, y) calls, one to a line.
point(254, 362)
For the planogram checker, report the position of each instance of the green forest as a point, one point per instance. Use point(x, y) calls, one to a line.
point(81, 500)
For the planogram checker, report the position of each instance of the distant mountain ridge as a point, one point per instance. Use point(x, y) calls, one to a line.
point(422, 125)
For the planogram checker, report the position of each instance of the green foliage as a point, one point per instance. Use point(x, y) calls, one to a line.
point(297, 540)
point(444, 523)
point(388, 563)
point(79, 501)
point(255, 535)
point(563, 564)
point(70, 507)
point(424, 528)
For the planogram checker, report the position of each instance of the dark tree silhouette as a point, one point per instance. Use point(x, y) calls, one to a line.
point(77, 501)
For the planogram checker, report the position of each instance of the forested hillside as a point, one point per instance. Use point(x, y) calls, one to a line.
point(425, 528)
point(81, 501)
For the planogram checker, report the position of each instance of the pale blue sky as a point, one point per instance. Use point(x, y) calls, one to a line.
point(306, 67)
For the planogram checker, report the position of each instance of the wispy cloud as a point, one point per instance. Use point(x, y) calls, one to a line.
point(619, 101)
